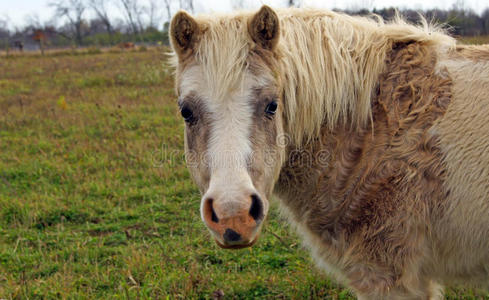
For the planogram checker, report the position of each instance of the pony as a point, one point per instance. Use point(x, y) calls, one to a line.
point(371, 135)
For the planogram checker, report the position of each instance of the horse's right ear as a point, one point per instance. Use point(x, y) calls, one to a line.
point(184, 32)
point(264, 28)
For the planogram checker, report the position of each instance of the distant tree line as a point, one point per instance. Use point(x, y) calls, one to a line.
point(460, 21)
point(82, 23)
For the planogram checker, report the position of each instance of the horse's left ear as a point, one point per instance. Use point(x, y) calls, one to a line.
point(264, 28)
point(184, 32)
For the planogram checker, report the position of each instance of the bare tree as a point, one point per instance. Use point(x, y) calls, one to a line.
point(5, 33)
point(133, 13)
point(180, 4)
point(73, 11)
point(100, 9)
point(485, 20)
point(34, 24)
point(153, 13)
point(187, 5)
point(459, 5)
point(168, 8)
point(3, 24)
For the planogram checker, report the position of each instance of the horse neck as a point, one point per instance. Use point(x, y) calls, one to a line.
point(323, 165)
point(349, 172)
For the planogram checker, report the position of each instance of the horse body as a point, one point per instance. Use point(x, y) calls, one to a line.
point(464, 224)
point(372, 136)
point(402, 206)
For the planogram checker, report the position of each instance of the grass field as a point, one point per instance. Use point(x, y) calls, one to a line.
point(96, 202)
point(482, 39)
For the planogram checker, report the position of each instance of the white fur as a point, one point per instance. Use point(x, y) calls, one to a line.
point(229, 147)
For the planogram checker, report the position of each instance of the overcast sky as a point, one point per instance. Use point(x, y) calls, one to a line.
point(18, 11)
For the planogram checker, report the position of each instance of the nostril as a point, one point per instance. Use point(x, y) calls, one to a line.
point(214, 217)
point(209, 210)
point(231, 235)
point(256, 209)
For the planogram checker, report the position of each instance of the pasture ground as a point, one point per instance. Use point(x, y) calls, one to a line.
point(481, 39)
point(96, 202)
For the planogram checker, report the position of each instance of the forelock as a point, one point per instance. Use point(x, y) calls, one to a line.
point(222, 53)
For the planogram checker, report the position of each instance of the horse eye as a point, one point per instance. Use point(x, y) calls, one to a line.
point(187, 114)
point(271, 107)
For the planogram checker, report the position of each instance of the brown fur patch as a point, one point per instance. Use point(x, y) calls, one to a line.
point(369, 201)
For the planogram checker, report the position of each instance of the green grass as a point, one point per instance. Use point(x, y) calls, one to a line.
point(96, 202)
point(95, 199)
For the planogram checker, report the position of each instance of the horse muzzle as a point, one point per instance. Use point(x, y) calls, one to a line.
point(234, 224)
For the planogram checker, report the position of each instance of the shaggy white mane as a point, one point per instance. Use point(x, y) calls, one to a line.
point(329, 62)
